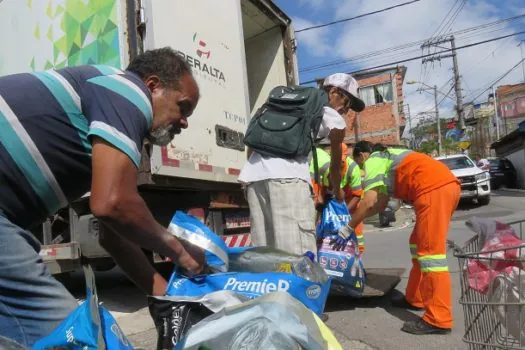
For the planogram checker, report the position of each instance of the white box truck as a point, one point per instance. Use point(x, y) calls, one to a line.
point(238, 49)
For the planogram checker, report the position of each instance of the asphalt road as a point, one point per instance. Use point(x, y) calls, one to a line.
point(358, 324)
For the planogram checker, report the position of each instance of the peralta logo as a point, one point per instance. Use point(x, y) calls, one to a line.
point(200, 65)
point(259, 287)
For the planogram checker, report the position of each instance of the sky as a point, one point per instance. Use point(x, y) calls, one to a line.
point(479, 66)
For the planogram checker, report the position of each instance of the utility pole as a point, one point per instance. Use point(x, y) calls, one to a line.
point(409, 125)
point(457, 82)
point(496, 114)
point(437, 119)
point(522, 61)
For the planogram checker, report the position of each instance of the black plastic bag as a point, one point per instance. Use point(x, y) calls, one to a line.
point(173, 319)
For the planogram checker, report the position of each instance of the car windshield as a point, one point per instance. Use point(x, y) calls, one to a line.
point(457, 163)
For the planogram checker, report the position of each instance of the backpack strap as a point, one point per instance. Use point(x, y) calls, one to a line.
point(92, 299)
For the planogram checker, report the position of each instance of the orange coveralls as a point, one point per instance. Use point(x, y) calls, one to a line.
point(434, 192)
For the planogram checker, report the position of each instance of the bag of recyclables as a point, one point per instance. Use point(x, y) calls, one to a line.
point(275, 321)
point(89, 327)
point(345, 266)
point(252, 271)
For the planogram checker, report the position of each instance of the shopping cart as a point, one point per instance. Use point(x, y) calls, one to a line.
point(485, 327)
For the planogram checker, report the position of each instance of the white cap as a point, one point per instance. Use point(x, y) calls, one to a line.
point(347, 83)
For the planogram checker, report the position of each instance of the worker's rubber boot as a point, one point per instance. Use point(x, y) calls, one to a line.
point(402, 303)
point(420, 327)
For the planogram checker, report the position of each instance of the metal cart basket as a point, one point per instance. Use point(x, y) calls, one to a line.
point(487, 321)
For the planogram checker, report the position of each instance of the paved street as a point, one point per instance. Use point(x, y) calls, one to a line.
point(361, 324)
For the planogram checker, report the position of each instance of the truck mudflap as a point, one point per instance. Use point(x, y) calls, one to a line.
point(61, 258)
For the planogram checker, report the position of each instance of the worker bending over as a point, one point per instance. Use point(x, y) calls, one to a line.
point(434, 192)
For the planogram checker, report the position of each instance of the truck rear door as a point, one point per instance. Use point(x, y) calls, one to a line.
point(209, 36)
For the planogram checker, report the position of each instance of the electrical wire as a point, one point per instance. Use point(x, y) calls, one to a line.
point(356, 17)
point(460, 35)
point(498, 79)
point(428, 55)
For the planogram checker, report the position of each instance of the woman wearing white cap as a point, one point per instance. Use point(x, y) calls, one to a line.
point(282, 210)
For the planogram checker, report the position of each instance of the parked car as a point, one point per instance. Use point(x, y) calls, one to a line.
point(502, 173)
point(475, 182)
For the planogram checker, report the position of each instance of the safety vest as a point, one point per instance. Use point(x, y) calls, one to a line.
point(323, 161)
point(352, 175)
point(380, 169)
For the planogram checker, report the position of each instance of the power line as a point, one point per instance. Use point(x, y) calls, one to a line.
point(458, 34)
point(356, 17)
point(499, 79)
point(428, 55)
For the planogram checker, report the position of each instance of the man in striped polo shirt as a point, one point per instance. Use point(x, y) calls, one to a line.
point(69, 131)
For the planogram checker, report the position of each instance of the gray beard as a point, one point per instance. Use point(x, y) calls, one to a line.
point(161, 136)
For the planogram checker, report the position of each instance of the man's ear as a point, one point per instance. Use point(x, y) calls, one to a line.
point(153, 82)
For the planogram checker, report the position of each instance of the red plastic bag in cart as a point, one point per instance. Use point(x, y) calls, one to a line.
point(500, 252)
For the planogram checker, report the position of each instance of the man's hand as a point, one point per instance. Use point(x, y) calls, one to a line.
point(192, 260)
point(117, 203)
point(339, 195)
point(343, 236)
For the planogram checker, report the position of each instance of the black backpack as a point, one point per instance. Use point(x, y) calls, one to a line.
point(288, 122)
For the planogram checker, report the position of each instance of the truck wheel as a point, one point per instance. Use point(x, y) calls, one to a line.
point(484, 200)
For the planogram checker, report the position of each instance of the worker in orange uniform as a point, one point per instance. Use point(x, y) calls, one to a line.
point(434, 192)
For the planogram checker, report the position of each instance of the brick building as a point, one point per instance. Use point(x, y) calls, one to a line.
point(383, 119)
point(511, 104)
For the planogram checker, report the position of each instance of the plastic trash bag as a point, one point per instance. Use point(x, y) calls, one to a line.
point(89, 327)
point(509, 291)
point(190, 229)
point(275, 321)
point(174, 316)
point(500, 252)
point(333, 217)
point(344, 266)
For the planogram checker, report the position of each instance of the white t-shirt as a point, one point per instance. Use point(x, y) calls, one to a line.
point(483, 164)
point(259, 168)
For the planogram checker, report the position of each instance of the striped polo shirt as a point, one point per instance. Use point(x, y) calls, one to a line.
point(47, 120)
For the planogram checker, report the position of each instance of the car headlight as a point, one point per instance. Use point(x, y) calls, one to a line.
point(482, 176)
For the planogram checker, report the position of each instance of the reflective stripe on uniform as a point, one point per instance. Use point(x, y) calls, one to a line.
point(360, 240)
point(350, 171)
point(378, 178)
point(389, 161)
point(413, 250)
point(433, 263)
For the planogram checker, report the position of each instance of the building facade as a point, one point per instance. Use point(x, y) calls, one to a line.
point(511, 104)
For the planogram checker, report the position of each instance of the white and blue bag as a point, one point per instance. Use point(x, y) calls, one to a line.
point(345, 266)
point(89, 327)
point(252, 285)
point(192, 230)
point(333, 217)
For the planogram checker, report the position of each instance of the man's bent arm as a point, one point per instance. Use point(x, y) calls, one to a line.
point(117, 203)
point(131, 259)
point(352, 204)
point(336, 139)
point(368, 202)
